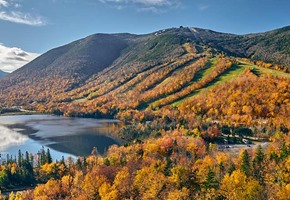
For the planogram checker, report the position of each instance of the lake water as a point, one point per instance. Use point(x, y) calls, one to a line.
point(62, 135)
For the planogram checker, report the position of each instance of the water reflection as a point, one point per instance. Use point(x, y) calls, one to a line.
point(73, 136)
point(83, 144)
point(10, 137)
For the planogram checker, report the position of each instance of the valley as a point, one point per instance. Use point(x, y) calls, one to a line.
point(201, 114)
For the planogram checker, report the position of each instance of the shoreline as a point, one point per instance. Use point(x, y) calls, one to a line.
point(107, 130)
point(21, 113)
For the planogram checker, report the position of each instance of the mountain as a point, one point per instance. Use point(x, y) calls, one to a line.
point(199, 110)
point(104, 74)
point(3, 74)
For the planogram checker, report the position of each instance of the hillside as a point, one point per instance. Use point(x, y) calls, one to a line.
point(106, 75)
point(272, 46)
point(204, 115)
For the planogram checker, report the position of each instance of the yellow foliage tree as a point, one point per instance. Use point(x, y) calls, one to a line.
point(238, 187)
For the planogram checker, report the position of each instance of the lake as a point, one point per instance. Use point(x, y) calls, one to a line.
point(64, 136)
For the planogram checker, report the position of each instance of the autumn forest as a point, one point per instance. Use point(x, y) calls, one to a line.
point(204, 115)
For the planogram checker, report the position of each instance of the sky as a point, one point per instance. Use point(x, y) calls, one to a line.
point(29, 28)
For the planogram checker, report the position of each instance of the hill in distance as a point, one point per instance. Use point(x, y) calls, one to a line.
point(106, 74)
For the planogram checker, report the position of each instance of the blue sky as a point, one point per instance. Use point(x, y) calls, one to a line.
point(31, 27)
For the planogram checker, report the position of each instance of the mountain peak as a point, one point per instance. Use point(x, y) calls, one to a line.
point(102, 64)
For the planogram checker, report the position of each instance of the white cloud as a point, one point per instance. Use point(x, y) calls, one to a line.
point(202, 7)
point(22, 18)
point(17, 5)
point(145, 2)
point(8, 13)
point(154, 2)
point(149, 9)
point(4, 3)
point(146, 5)
point(12, 58)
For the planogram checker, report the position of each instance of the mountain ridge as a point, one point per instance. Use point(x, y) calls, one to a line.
point(103, 66)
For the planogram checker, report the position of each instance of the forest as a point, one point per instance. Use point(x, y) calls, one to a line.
point(184, 109)
point(170, 166)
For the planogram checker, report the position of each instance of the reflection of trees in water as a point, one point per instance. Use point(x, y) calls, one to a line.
point(81, 145)
point(77, 140)
point(110, 129)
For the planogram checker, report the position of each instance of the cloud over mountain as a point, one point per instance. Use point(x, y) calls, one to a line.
point(12, 58)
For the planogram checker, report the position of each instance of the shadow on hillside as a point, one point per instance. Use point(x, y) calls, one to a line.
point(200, 74)
point(211, 83)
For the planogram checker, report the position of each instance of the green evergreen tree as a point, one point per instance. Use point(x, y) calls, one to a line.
point(259, 155)
point(231, 168)
point(43, 159)
point(19, 158)
point(62, 161)
point(246, 163)
point(48, 157)
point(167, 166)
point(27, 157)
point(285, 151)
point(106, 161)
point(210, 181)
point(258, 166)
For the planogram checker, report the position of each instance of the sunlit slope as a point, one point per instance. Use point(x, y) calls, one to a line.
point(164, 84)
point(230, 74)
point(105, 74)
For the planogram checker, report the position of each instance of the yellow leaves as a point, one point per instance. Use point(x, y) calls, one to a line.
point(123, 182)
point(78, 178)
point(90, 186)
point(222, 158)
point(52, 170)
point(151, 148)
point(13, 170)
point(182, 194)
point(189, 171)
point(92, 160)
point(238, 187)
point(108, 192)
point(284, 193)
point(179, 176)
point(203, 166)
point(149, 182)
point(66, 182)
point(47, 167)
point(247, 109)
point(50, 190)
point(114, 161)
point(196, 147)
point(13, 196)
point(208, 162)
point(287, 164)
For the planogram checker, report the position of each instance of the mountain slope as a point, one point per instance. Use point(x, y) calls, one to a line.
point(108, 73)
point(79, 59)
point(272, 46)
